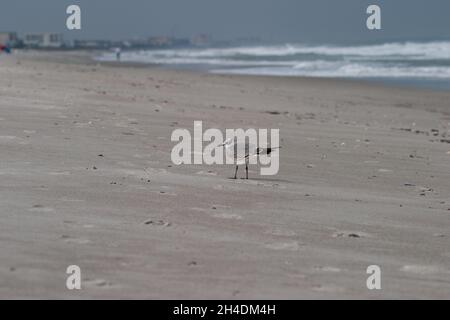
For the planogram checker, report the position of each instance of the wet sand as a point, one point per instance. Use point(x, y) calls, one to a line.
point(86, 179)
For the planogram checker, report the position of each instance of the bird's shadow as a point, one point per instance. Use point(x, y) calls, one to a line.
point(262, 180)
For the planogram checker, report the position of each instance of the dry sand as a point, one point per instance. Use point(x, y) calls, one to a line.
point(86, 179)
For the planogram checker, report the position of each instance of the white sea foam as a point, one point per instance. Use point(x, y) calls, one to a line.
point(430, 50)
point(423, 60)
point(348, 70)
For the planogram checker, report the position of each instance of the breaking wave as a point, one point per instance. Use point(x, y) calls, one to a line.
point(411, 60)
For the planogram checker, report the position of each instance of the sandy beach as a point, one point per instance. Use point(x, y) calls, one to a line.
point(86, 179)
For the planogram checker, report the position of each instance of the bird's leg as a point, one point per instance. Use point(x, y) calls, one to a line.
point(246, 171)
point(235, 173)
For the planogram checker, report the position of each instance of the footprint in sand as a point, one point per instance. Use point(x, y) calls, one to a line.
point(165, 193)
point(289, 246)
point(157, 222)
point(207, 173)
point(41, 208)
point(351, 234)
point(97, 283)
point(219, 206)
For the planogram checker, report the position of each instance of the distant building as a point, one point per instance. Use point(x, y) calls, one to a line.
point(9, 39)
point(167, 42)
point(161, 41)
point(43, 40)
point(95, 44)
point(201, 40)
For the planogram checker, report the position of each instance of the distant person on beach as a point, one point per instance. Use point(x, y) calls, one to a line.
point(5, 49)
point(118, 53)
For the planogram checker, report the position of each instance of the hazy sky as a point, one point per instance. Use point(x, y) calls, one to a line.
point(272, 20)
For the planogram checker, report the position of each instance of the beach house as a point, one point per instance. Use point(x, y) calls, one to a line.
point(9, 39)
point(43, 40)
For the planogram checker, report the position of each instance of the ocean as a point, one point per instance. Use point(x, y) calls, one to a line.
point(422, 64)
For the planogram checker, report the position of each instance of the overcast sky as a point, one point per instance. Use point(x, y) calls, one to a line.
point(271, 20)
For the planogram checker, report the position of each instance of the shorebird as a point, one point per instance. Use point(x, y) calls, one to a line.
point(246, 151)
